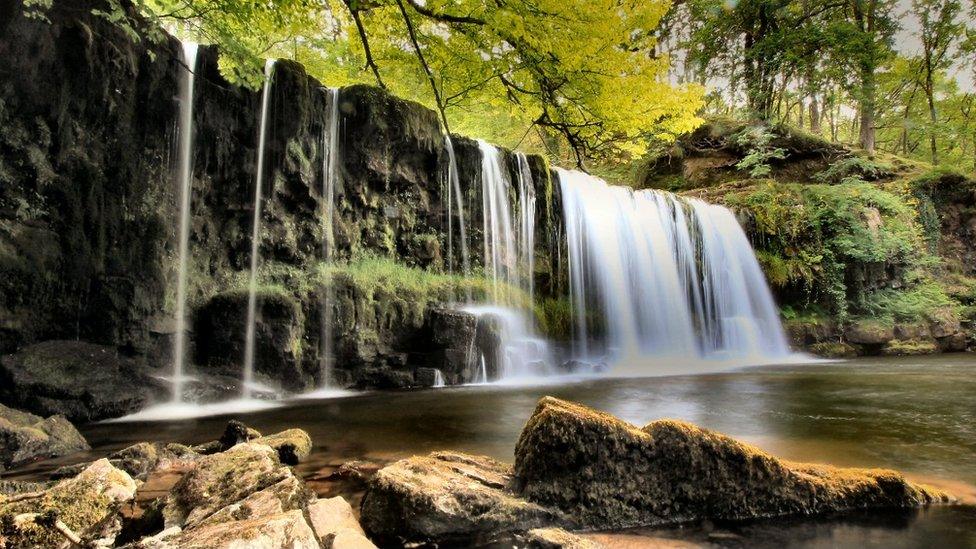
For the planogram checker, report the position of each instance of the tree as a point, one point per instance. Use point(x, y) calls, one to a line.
point(586, 71)
point(939, 29)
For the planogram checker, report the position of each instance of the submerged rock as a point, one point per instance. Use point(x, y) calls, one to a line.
point(82, 381)
point(609, 474)
point(25, 437)
point(84, 504)
point(448, 497)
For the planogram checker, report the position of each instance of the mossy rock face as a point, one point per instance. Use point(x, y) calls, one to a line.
point(834, 349)
point(870, 332)
point(608, 474)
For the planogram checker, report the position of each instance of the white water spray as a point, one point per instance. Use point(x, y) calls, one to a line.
point(665, 276)
point(248, 377)
point(508, 257)
point(438, 379)
point(185, 175)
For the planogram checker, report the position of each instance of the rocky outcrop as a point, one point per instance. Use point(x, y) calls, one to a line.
point(25, 437)
point(578, 468)
point(87, 242)
point(450, 498)
point(335, 525)
point(81, 381)
point(607, 473)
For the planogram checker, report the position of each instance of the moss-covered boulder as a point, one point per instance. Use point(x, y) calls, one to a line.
point(81, 503)
point(25, 437)
point(448, 498)
point(609, 474)
point(834, 349)
point(910, 347)
point(230, 480)
point(292, 445)
point(82, 381)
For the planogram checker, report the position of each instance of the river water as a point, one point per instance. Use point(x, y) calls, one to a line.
point(917, 415)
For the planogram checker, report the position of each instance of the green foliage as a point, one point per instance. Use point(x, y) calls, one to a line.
point(812, 238)
point(854, 169)
point(556, 318)
point(584, 75)
point(908, 304)
point(759, 151)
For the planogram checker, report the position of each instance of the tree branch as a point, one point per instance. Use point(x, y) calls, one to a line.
point(365, 41)
point(423, 63)
point(444, 17)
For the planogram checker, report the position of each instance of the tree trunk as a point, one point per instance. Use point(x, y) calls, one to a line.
point(866, 107)
point(814, 115)
point(933, 116)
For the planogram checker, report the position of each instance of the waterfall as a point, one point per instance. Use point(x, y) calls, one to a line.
point(185, 175)
point(438, 379)
point(248, 377)
point(508, 263)
point(526, 226)
point(664, 276)
point(455, 200)
point(330, 179)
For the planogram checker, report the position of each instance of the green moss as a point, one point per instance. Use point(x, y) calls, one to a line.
point(910, 347)
point(556, 318)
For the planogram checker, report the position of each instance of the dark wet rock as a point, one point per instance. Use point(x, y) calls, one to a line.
point(488, 347)
point(954, 343)
point(235, 433)
point(25, 437)
point(452, 334)
point(383, 378)
point(608, 474)
point(912, 330)
point(425, 377)
point(221, 322)
point(450, 498)
point(87, 504)
point(293, 445)
point(82, 381)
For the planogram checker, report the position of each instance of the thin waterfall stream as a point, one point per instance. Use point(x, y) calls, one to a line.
point(185, 176)
point(248, 374)
point(330, 179)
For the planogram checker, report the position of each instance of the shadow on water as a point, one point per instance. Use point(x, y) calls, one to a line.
point(917, 415)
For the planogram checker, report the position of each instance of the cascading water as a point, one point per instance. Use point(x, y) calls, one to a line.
point(438, 379)
point(330, 178)
point(508, 264)
point(185, 175)
point(455, 201)
point(248, 376)
point(664, 276)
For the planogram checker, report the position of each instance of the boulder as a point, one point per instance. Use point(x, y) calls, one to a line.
point(25, 437)
point(383, 378)
point(82, 503)
point(293, 445)
point(911, 330)
point(228, 478)
point(870, 332)
point(82, 381)
point(335, 525)
point(609, 474)
point(448, 498)
point(957, 342)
